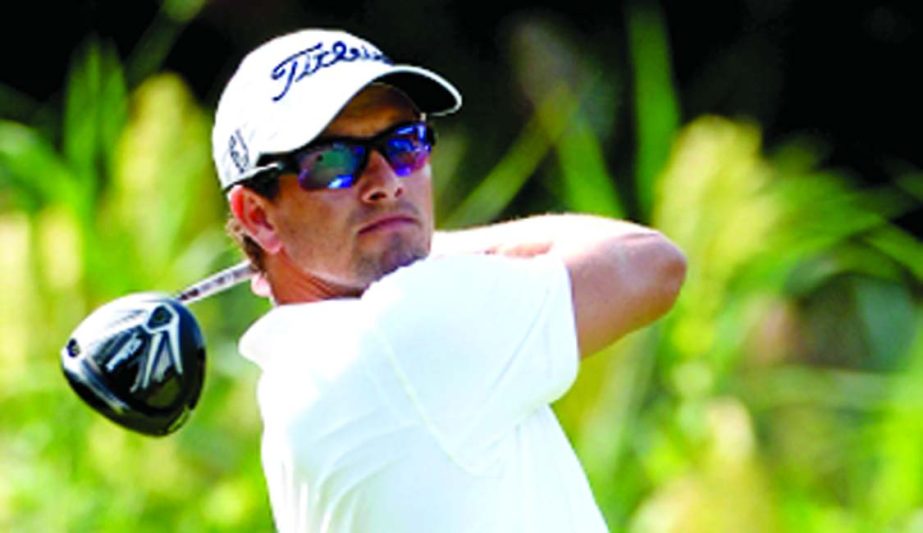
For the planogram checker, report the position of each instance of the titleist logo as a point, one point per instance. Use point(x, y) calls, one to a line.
point(298, 66)
point(237, 148)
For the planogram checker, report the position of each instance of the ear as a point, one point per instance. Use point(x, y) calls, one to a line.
point(252, 212)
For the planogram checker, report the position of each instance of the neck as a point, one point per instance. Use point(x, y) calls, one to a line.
point(290, 284)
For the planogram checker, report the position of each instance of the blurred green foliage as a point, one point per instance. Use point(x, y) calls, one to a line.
point(781, 394)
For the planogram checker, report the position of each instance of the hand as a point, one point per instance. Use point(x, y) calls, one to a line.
point(260, 286)
point(487, 240)
point(523, 250)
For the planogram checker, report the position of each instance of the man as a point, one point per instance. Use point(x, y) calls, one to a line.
point(406, 374)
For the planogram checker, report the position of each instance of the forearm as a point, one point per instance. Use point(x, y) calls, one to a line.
point(559, 234)
point(623, 276)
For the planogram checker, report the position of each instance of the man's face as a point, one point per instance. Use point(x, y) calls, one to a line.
point(354, 236)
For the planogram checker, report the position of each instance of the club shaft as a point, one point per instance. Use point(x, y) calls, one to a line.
point(216, 283)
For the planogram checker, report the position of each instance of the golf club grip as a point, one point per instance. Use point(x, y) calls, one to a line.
point(216, 283)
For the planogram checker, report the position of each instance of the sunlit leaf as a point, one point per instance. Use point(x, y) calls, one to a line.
point(897, 485)
point(164, 191)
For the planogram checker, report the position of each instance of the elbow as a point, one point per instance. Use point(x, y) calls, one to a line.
point(629, 283)
point(671, 274)
point(661, 272)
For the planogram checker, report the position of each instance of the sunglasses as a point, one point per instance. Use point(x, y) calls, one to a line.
point(337, 163)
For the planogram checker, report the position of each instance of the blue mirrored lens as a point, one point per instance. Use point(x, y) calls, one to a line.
point(407, 149)
point(334, 166)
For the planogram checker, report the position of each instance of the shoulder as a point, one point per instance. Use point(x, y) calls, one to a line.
point(289, 327)
point(453, 296)
point(466, 275)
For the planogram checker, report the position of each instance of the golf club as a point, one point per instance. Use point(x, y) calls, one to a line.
point(140, 360)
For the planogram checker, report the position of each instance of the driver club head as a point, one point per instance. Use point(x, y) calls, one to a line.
point(138, 360)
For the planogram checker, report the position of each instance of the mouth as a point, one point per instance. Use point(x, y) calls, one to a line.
point(387, 223)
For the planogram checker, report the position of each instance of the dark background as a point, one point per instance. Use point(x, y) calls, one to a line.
point(843, 74)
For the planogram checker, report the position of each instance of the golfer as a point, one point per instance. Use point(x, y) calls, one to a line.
point(406, 374)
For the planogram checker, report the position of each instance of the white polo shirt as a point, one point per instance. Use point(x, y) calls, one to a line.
point(424, 404)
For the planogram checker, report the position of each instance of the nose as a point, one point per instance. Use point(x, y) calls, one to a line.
point(379, 182)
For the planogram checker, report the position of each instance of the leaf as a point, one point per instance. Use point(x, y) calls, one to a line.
point(34, 171)
point(94, 115)
point(588, 187)
point(656, 107)
point(164, 192)
point(113, 108)
point(81, 111)
point(901, 247)
point(508, 177)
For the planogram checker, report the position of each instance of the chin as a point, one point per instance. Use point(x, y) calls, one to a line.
point(398, 254)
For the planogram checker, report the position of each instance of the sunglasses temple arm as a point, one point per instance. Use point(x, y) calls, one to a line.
point(254, 172)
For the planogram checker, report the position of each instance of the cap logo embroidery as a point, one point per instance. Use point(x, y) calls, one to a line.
point(238, 150)
point(297, 66)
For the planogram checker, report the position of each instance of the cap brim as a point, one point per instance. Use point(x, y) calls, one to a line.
point(429, 91)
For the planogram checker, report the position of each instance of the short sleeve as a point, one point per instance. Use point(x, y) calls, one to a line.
point(478, 342)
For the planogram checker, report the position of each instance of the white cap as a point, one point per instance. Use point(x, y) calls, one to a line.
point(287, 91)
